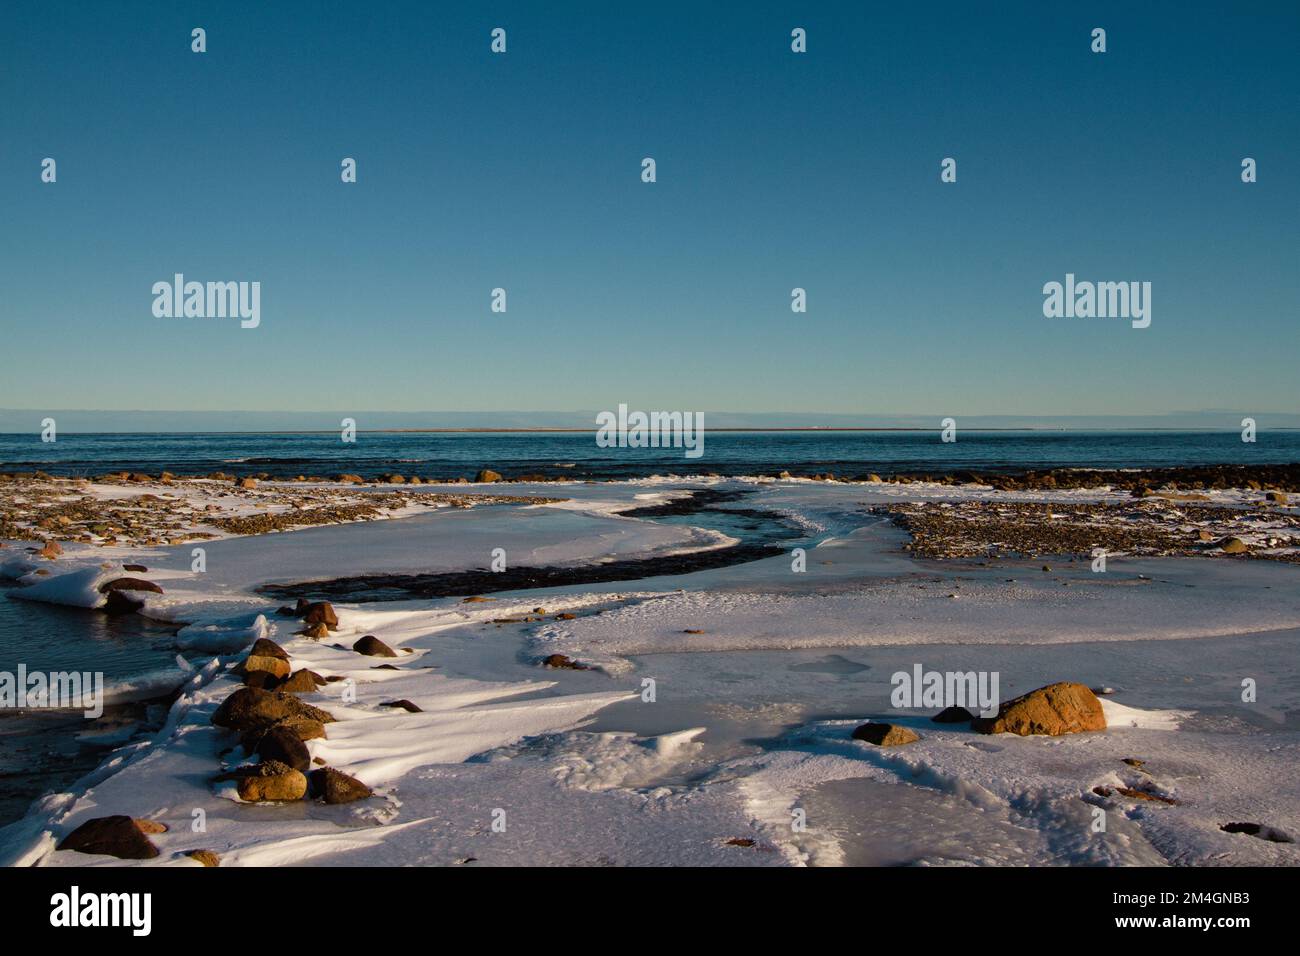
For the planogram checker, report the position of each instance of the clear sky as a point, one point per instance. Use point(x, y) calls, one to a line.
point(775, 170)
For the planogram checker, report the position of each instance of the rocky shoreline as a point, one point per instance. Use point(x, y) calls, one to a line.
point(167, 510)
point(1148, 526)
point(1281, 477)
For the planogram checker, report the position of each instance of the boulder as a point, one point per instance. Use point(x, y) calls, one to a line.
point(565, 662)
point(403, 704)
point(1060, 708)
point(486, 475)
point(117, 836)
point(248, 484)
point(118, 602)
point(271, 781)
point(206, 857)
point(320, 612)
point(953, 715)
point(249, 708)
point(263, 680)
point(885, 735)
point(1277, 497)
point(268, 657)
point(304, 727)
point(51, 549)
point(302, 682)
point(372, 646)
point(316, 632)
point(280, 743)
point(334, 786)
point(137, 568)
point(1231, 545)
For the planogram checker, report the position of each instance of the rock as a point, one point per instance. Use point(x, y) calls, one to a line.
point(206, 857)
point(267, 657)
point(150, 826)
point(248, 484)
point(740, 841)
point(279, 743)
point(1205, 535)
point(263, 680)
point(1060, 708)
point(404, 704)
point(566, 617)
point(51, 549)
point(302, 682)
point(1258, 830)
point(117, 602)
point(372, 646)
point(1231, 545)
point(111, 836)
point(321, 612)
point(563, 661)
point(249, 708)
point(1135, 763)
point(316, 631)
point(334, 786)
point(350, 479)
point(1145, 795)
point(953, 715)
point(129, 584)
point(1277, 497)
point(304, 727)
point(875, 479)
point(272, 782)
point(137, 568)
point(476, 599)
point(486, 475)
point(885, 735)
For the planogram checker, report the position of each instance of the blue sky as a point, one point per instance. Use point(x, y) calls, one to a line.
point(775, 170)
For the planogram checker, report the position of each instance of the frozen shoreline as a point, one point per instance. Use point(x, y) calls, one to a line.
point(674, 781)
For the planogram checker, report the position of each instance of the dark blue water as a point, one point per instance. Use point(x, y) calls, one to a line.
point(46, 750)
point(577, 455)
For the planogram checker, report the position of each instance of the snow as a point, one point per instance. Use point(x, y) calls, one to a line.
point(748, 734)
point(76, 588)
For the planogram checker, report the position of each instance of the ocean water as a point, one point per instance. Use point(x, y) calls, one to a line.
point(461, 454)
point(45, 750)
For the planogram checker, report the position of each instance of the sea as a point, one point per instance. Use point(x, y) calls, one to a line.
point(576, 454)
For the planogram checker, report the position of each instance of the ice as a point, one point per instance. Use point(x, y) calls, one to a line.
point(744, 755)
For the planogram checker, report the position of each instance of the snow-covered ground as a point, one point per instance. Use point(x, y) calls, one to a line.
point(714, 727)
